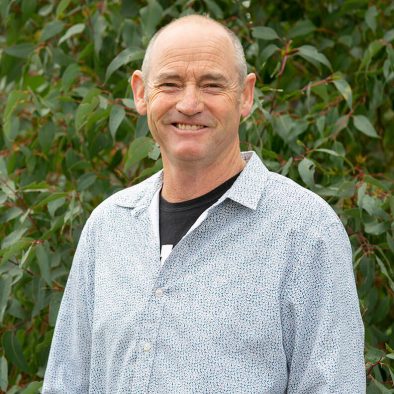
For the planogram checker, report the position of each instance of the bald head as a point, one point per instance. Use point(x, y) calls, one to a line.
point(203, 21)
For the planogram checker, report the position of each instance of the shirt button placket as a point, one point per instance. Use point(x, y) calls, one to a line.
point(149, 328)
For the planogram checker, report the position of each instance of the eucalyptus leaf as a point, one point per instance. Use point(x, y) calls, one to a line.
point(5, 291)
point(13, 351)
point(22, 51)
point(310, 53)
point(138, 150)
point(301, 28)
point(345, 90)
point(3, 374)
point(126, 56)
point(306, 169)
point(51, 29)
point(72, 31)
point(151, 16)
point(264, 33)
point(115, 118)
point(363, 124)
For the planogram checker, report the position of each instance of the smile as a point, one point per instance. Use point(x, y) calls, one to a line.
point(184, 126)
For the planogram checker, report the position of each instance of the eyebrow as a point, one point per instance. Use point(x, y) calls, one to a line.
point(211, 76)
point(169, 75)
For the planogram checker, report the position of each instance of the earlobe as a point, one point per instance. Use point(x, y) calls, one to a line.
point(248, 94)
point(138, 87)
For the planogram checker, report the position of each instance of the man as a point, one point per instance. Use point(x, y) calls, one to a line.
point(215, 275)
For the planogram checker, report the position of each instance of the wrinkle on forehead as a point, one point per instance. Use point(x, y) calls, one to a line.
point(208, 55)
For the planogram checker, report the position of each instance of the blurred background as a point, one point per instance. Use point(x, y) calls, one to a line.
point(70, 137)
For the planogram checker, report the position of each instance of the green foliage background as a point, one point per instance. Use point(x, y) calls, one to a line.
point(323, 116)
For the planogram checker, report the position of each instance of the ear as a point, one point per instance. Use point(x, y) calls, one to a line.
point(247, 95)
point(138, 87)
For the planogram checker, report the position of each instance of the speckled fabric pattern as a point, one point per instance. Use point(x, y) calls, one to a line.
point(258, 298)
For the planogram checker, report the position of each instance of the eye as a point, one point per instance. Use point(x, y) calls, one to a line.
point(212, 86)
point(169, 85)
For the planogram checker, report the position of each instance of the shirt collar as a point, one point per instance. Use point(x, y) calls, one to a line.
point(248, 187)
point(246, 190)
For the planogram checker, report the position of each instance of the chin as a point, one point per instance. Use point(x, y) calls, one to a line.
point(189, 154)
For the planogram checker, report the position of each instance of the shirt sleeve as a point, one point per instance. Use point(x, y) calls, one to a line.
point(69, 358)
point(323, 333)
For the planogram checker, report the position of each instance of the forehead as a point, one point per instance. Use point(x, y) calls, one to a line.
point(193, 48)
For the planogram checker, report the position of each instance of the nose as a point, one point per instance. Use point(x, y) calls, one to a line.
point(190, 102)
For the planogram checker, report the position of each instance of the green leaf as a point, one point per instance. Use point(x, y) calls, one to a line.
point(54, 205)
point(22, 51)
point(62, 7)
point(282, 125)
point(141, 128)
point(390, 241)
point(84, 110)
point(345, 90)
point(139, 149)
point(380, 387)
point(32, 388)
point(301, 28)
point(375, 227)
point(150, 17)
point(72, 31)
point(51, 29)
point(70, 75)
point(373, 48)
point(13, 237)
point(311, 54)
point(14, 249)
point(46, 135)
point(306, 169)
point(264, 33)
point(329, 151)
point(14, 98)
point(99, 27)
point(5, 291)
point(54, 306)
point(370, 18)
point(268, 51)
point(44, 264)
point(389, 35)
point(129, 103)
point(385, 272)
point(13, 351)
point(214, 8)
point(363, 124)
point(126, 56)
point(86, 180)
point(3, 374)
point(115, 118)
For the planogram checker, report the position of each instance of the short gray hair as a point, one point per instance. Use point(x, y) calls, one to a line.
point(238, 49)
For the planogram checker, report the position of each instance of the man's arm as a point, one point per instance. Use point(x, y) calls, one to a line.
point(322, 328)
point(69, 359)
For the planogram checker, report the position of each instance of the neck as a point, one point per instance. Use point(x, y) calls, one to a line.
point(185, 182)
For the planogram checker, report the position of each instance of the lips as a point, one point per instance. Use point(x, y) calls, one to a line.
point(187, 126)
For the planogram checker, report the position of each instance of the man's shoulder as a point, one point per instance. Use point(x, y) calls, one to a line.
point(134, 196)
point(297, 202)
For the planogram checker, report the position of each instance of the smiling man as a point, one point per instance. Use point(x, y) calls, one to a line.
point(214, 275)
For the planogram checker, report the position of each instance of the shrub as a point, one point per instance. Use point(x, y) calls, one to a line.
point(323, 116)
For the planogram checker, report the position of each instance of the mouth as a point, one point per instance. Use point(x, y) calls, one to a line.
point(189, 127)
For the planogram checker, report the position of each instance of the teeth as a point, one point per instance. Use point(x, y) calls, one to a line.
point(183, 126)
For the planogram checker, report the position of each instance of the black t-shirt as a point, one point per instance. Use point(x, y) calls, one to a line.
point(175, 219)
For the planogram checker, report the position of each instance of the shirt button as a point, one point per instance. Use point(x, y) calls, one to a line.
point(147, 347)
point(159, 292)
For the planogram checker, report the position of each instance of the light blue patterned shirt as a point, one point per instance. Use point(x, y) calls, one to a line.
point(259, 297)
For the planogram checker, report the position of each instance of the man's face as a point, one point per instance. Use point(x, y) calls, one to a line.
point(193, 98)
